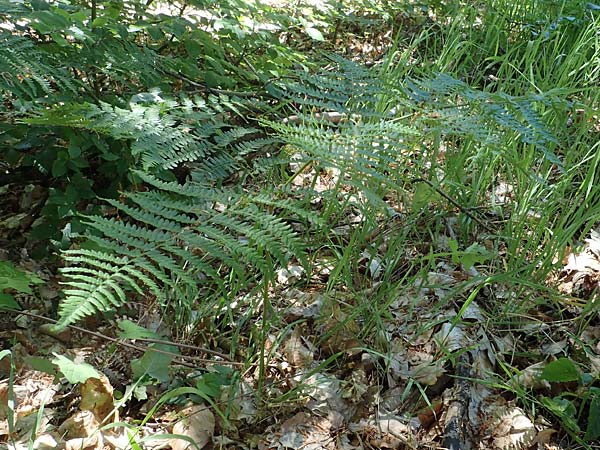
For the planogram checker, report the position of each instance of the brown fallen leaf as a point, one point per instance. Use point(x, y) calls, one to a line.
point(97, 397)
point(428, 416)
point(49, 329)
point(296, 353)
point(197, 423)
point(81, 431)
point(339, 330)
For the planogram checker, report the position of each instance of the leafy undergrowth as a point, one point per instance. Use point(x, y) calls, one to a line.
point(397, 248)
point(428, 358)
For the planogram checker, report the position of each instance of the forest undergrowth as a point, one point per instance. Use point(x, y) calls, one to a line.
point(336, 225)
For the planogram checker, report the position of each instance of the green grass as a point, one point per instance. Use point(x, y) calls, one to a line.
point(546, 55)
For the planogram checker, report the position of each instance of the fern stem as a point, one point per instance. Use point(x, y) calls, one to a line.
point(264, 327)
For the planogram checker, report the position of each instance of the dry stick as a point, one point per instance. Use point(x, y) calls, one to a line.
point(454, 202)
point(205, 88)
point(178, 358)
point(191, 347)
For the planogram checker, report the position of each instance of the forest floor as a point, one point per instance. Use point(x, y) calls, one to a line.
point(424, 359)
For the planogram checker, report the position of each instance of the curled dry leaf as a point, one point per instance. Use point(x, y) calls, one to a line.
point(530, 377)
point(49, 329)
point(81, 432)
point(296, 353)
point(451, 336)
point(197, 423)
point(428, 373)
point(97, 397)
point(290, 275)
point(338, 329)
point(513, 429)
point(387, 432)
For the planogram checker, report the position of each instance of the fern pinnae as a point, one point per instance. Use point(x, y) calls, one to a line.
point(88, 298)
point(168, 206)
point(174, 266)
point(267, 199)
point(147, 217)
point(76, 273)
point(103, 262)
point(143, 279)
point(157, 206)
point(208, 242)
point(198, 264)
point(193, 190)
point(97, 258)
point(232, 247)
point(128, 233)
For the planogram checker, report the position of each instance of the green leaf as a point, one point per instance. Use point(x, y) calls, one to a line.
point(134, 331)
point(593, 427)
point(140, 392)
point(193, 47)
point(74, 151)
point(314, 34)
point(210, 383)
point(74, 372)
point(475, 253)
point(424, 194)
point(48, 21)
point(100, 21)
point(59, 167)
point(453, 244)
point(563, 409)
point(561, 370)
point(154, 363)
point(41, 365)
point(12, 278)
point(7, 301)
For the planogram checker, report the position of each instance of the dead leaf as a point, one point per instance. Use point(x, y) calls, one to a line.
point(197, 423)
point(545, 436)
point(81, 431)
point(513, 429)
point(340, 330)
point(290, 275)
point(530, 377)
point(45, 441)
point(296, 353)
point(97, 397)
point(428, 373)
point(451, 337)
point(388, 432)
point(50, 330)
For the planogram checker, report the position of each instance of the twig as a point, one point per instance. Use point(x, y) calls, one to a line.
point(462, 209)
point(177, 358)
point(204, 87)
point(191, 347)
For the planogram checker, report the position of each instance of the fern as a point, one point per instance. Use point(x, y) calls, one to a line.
point(174, 235)
point(382, 126)
point(467, 111)
point(29, 74)
point(170, 235)
point(159, 139)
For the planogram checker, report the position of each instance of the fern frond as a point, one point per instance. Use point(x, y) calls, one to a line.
point(29, 73)
point(378, 124)
point(157, 138)
point(169, 235)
